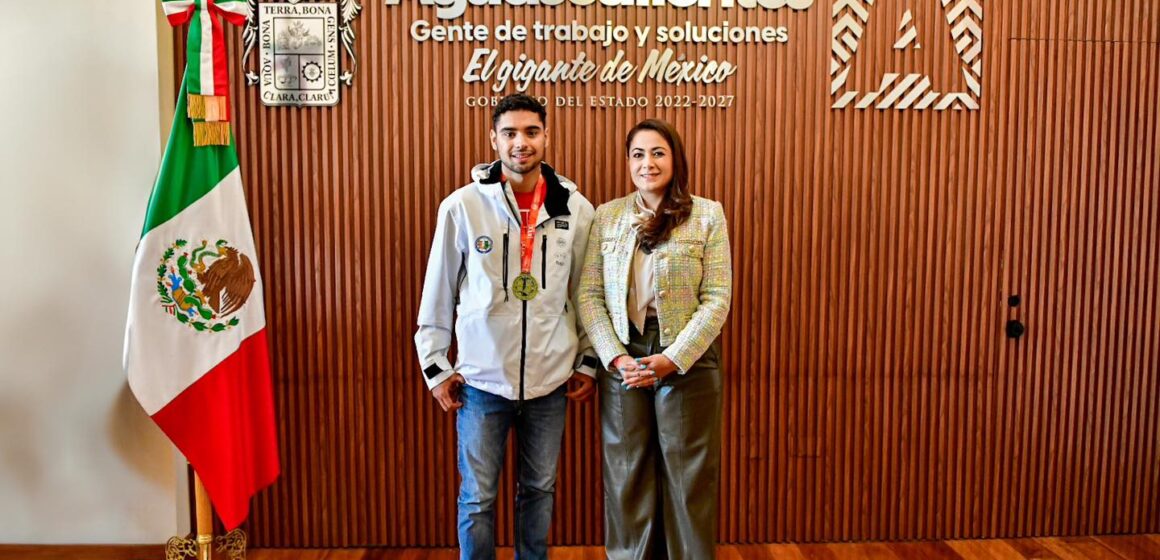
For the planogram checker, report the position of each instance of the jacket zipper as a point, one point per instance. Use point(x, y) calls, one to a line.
point(524, 321)
point(460, 277)
point(523, 356)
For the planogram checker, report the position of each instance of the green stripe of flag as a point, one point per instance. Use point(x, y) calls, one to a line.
point(193, 53)
point(187, 173)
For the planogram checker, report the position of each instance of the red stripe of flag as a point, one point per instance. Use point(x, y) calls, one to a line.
point(181, 18)
point(224, 425)
point(221, 71)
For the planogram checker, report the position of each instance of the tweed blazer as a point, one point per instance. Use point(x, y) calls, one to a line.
point(693, 281)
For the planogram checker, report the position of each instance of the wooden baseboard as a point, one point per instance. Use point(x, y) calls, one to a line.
point(1107, 547)
point(81, 552)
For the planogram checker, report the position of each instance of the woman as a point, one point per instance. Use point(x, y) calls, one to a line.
point(654, 295)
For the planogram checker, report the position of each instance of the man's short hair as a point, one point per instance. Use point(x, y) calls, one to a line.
point(519, 102)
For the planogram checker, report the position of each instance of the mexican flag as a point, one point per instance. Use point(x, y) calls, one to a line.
point(195, 344)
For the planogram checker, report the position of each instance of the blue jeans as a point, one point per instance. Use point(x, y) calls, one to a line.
point(482, 426)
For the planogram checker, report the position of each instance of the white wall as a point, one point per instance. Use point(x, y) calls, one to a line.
point(80, 462)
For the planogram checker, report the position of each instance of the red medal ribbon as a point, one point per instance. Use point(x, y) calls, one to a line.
point(528, 230)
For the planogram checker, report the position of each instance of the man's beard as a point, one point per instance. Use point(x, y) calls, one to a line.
point(520, 169)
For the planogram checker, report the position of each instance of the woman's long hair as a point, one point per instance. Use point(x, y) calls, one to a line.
point(677, 203)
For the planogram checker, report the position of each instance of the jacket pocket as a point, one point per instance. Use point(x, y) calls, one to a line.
point(555, 270)
point(689, 249)
point(544, 263)
point(684, 264)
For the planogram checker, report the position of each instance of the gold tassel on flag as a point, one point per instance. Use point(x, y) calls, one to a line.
point(207, 101)
point(211, 133)
point(216, 108)
point(196, 106)
point(209, 114)
point(210, 108)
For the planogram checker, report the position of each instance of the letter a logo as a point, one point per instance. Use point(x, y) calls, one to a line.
point(964, 19)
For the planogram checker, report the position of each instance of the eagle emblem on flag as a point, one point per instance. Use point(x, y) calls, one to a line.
point(201, 286)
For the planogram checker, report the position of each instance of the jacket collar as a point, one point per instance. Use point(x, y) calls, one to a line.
point(555, 197)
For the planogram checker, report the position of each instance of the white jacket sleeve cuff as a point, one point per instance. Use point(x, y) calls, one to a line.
point(437, 372)
point(587, 363)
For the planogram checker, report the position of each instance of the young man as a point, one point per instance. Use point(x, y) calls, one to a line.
point(503, 272)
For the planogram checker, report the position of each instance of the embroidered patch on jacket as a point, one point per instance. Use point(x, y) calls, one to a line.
point(561, 224)
point(483, 244)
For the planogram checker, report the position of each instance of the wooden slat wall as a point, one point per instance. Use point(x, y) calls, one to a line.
point(871, 392)
point(1080, 399)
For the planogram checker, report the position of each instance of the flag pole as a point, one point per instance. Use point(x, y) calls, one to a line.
point(231, 544)
point(200, 545)
point(204, 511)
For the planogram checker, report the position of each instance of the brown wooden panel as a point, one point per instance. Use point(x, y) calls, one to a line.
point(871, 393)
point(1081, 388)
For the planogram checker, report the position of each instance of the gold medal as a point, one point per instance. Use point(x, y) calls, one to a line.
point(525, 287)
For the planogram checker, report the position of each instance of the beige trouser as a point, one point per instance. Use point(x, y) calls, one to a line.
point(662, 456)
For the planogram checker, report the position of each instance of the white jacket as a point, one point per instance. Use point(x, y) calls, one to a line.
point(506, 347)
